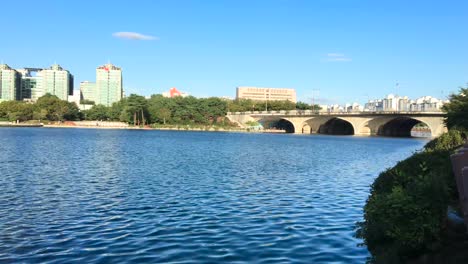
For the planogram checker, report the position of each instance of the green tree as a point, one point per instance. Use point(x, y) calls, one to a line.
point(134, 110)
point(212, 109)
point(16, 110)
point(56, 109)
point(155, 104)
point(305, 106)
point(457, 110)
point(39, 114)
point(115, 111)
point(164, 114)
point(302, 106)
point(97, 112)
point(243, 105)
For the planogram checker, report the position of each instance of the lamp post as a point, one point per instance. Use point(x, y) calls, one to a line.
point(313, 98)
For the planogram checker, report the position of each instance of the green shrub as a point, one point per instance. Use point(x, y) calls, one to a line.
point(405, 213)
point(446, 141)
point(252, 123)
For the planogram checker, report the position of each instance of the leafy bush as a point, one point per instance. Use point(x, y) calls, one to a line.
point(405, 213)
point(457, 110)
point(252, 123)
point(447, 141)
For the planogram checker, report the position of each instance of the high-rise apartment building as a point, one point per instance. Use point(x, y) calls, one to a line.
point(108, 84)
point(9, 84)
point(31, 85)
point(36, 82)
point(57, 81)
point(88, 91)
point(266, 94)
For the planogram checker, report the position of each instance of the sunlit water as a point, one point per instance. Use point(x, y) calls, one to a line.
point(108, 196)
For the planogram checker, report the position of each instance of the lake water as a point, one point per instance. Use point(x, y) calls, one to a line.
point(108, 196)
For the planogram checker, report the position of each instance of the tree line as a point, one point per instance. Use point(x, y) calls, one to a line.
point(48, 107)
point(244, 105)
point(138, 110)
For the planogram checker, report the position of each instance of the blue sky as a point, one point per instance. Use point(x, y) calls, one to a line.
point(346, 50)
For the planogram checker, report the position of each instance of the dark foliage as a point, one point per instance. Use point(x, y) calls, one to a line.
point(405, 214)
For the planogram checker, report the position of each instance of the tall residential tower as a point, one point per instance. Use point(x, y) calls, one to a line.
point(88, 92)
point(10, 88)
point(31, 84)
point(57, 81)
point(36, 82)
point(108, 84)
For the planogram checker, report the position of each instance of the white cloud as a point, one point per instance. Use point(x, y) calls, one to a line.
point(133, 35)
point(337, 57)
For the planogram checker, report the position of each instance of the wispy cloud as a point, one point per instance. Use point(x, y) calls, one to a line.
point(337, 57)
point(133, 35)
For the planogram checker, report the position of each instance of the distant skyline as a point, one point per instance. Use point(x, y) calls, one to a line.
point(345, 51)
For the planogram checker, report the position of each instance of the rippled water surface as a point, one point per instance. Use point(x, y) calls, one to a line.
point(107, 196)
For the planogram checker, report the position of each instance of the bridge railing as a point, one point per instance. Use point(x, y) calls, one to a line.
point(321, 112)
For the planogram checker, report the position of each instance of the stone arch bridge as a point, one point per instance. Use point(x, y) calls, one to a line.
point(392, 124)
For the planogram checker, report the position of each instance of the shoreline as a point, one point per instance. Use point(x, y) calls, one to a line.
point(177, 129)
point(21, 125)
point(167, 129)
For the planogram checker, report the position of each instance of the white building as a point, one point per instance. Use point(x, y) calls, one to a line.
point(75, 97)
point(394, 103)
point(427, 104)
point(374, 106)
point(336, 108)
point(354, 107)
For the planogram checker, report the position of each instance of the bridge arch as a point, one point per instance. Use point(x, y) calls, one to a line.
point(401, 127)
point(279, 123)
point(312, 125)
point(336, 126)
point(306, 129)
point(286, 125)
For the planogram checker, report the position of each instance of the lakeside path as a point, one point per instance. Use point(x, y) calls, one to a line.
point(166, 129)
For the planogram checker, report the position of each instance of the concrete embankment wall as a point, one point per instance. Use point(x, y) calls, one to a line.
point(10, 124)
point(100, 123)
